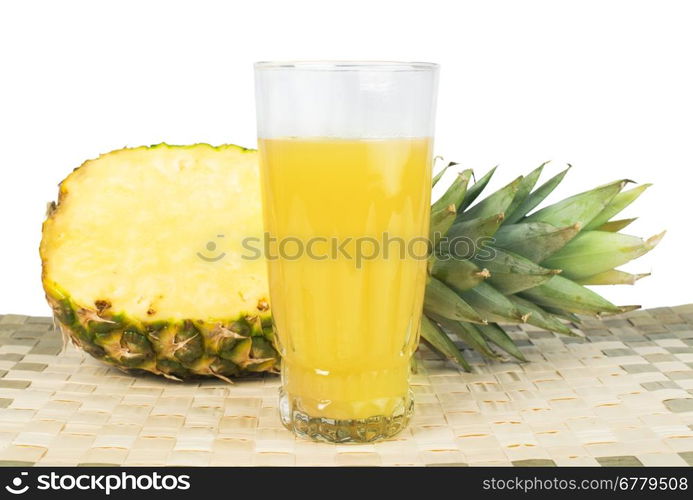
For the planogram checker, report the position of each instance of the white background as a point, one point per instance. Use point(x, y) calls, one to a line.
point(605, 85)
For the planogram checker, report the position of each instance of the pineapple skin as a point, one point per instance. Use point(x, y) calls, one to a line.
point(176, 349)
point(233, 344)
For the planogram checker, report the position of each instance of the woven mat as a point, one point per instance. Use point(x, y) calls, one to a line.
point(622, 395)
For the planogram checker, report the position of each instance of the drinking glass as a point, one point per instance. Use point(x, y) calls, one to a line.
point(346, 154)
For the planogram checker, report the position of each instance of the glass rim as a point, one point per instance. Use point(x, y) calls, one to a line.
point(345, 65)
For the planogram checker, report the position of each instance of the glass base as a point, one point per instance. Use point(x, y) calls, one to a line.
point(331, 430)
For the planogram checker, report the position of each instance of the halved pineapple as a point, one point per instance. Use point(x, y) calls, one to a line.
point(143, 261)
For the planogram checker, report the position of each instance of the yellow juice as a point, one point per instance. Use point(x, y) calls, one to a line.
point(346, 221)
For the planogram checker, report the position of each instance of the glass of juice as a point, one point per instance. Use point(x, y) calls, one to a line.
point(346, 154)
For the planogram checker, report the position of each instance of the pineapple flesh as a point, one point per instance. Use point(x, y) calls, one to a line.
point(143, 261)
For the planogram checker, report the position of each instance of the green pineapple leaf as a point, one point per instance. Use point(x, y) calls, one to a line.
point(612, 277)
point(492, 305)
point(443, 301)
point(455, 193)
point(524, 189)
point(536, 197)
point(439, 340)
point(512, 273)
point(498, 336)
point(469, 334)
point(595, 252)
point(439, 175)
point(539, 316)
point(615, 206)
point(459, 274)
point(441, 221)
point(614, 226)
point(535, 240)
point(580, 208)
point(475, 189)
point(562, 293)
point(496, 203)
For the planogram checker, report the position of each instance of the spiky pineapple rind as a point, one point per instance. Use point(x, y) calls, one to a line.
point(177, 349)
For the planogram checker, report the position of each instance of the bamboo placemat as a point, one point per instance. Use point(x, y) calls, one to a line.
point(621, 395)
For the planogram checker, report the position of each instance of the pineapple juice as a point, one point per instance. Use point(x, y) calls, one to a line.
point(345, 223)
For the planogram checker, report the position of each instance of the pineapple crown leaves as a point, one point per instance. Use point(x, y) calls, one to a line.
point(536, 265)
